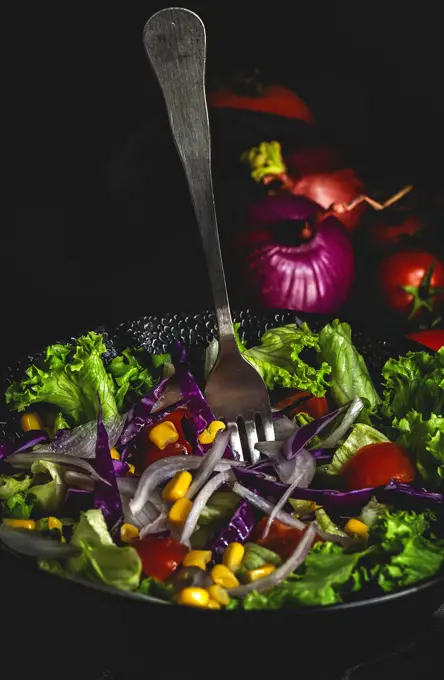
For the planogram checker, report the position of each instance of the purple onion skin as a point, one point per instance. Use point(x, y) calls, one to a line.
point(313, 276)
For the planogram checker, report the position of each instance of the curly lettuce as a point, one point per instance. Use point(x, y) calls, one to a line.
point(280, 359)
point(349, 374)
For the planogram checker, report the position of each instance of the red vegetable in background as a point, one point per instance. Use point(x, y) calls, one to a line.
point(291, 257)
point(433, 338)
point(384, 233)
point(311, 174)
point(376, 465)
point(160, 556)
point(250, 94)
point(411, 282)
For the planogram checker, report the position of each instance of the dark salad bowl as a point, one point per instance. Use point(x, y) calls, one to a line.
point(85, 627)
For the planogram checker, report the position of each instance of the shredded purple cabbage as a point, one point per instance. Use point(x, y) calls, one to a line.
point(26, 441)
point(303, 435)
point(389, 493)
point(106, 498)
point(238, 528)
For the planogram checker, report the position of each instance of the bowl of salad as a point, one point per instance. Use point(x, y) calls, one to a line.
point(121, 495)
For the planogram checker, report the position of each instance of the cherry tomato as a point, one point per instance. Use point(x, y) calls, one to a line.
point(160, 556)
point(433, 338)
point(377, 464)
point(384, 234)
point(281, 539)
point(148, 453)
point(402, 281)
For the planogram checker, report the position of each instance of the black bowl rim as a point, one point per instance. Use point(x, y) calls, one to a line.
point(351, 605)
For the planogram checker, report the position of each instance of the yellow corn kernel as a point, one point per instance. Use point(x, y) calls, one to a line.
point(115, 455)
point(219, 594)
point(163, 434)
point(54, 523)
point(197, 558)
point(31, 421)
point(222, 576)
point(180, 511)
point(260, 572)
point(315, 506)
point(355, 527)
point(233, 555)
point(212, 604)
point(193, 597)
point(128, 533)
point(177, 486)
point(20, 523)
point(131, 469)
point(209, 435)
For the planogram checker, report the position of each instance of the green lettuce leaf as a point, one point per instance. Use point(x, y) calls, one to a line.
point(18, 506)
point(158, 589)
point(326, 523)
point(327, 573)
point(9, 486)
point(48, 497)
point(412, 554)
point(220, 506)
point(414, 382)
point(279, 359)
point(70, 377)
point(361, 435)
point(100, 558)
point(425, 439)
point(349, 374)
point(129, 375)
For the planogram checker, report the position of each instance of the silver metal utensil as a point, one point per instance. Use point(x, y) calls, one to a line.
point(175, 43)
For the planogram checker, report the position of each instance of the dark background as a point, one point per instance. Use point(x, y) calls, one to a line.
point(96, 235)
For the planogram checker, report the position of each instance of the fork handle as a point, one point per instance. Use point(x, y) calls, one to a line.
point(175, 42)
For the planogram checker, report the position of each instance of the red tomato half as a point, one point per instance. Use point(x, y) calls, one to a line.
point(408, 268)
point(160, 556)
point(281, 539)
point(432, 338)
point(376, 465)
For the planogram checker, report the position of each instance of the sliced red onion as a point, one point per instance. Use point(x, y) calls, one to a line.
point(127, 487)
point(353, 410)
point(303, 435)
point(161, 470)
point(156, 526)
point(209, 461)
point(304, 471)
point(283, 426)
point(270, 449)
point(33, 544)
point(211, 354)
point(302, 467)
point(200, 502)
point(25, 460)
point(282, 572)
point(81, 440)
point(79, 480)
point(267, 507)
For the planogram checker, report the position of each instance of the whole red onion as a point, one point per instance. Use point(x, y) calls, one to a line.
point(292, 257)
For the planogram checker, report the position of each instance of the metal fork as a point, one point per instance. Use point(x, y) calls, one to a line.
point(175, 43)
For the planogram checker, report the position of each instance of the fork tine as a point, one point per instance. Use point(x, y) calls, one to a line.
point(252, 440)
point(235, 442)
point(267, 424)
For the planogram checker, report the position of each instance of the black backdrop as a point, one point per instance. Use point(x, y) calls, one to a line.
point(94, 236)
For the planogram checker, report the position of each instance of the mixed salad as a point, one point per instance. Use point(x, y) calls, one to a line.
point(119, 473)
